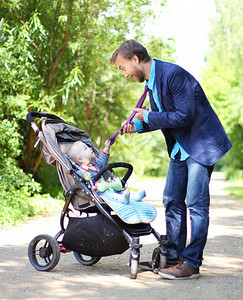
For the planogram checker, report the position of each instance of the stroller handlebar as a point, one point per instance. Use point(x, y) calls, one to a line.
point(113, 166)
point(39, 115)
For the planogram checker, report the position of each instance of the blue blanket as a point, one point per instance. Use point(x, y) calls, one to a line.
point(132, 213)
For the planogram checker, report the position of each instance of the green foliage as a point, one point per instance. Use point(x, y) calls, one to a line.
point(48, 177)
point(12, 110)
point(160, 49)
point(222, 77)
point(54, 57)
point(17, 188)
point(146, 152)
point(17, 205)
point(235, 183)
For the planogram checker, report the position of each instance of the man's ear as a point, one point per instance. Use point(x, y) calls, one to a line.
point(135, 59)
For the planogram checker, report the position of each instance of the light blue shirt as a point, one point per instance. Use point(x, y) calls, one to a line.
point(138, 124)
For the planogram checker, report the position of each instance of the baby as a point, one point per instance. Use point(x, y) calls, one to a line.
point(84, 157)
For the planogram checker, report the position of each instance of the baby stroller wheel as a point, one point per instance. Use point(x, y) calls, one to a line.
point(133, 268)
point(158, 260)
point(134, 257)
point(44, 252)
point(85, 259)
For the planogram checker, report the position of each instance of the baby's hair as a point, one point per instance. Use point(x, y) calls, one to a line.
point(73, 152)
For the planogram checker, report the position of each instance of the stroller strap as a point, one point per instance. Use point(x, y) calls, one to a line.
point(139, 104)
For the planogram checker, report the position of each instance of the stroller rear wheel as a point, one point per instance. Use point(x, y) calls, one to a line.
point(44, 252)
point(85, 259)
point(158, 260)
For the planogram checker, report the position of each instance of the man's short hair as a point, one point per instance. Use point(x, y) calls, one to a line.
point(130, 48)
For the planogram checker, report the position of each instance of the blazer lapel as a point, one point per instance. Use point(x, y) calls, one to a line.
point(158, 81)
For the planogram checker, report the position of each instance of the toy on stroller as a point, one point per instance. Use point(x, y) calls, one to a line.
point(96, 230)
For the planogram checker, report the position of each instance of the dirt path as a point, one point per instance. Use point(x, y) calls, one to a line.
point(221, 273)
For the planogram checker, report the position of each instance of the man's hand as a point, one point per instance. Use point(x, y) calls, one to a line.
point(139, 113)
point(129, 128)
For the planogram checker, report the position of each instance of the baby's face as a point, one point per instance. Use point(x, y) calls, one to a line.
point(85, 152)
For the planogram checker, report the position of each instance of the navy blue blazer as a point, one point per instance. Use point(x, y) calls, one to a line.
point(187, 116)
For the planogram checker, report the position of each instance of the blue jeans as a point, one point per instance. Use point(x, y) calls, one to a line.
point(187, 180)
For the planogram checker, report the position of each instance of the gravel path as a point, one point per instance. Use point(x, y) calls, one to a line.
point(221, 272)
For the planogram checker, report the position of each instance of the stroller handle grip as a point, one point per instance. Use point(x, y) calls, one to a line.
point(113, 166)
point(34, 114)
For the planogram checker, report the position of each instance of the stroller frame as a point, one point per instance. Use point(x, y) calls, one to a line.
point(44, 250)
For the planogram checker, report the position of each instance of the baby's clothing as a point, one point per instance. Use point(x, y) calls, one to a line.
point(100, 162)
point(123, 196)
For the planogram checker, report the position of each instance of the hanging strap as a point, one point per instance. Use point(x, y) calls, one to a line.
point(139, 105)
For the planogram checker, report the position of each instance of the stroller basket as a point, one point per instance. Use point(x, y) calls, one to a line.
point(96, 230)
point(94, 236)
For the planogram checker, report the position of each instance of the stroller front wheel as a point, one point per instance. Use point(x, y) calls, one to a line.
point(133, 268)
point(86, 260)
point(44, 252)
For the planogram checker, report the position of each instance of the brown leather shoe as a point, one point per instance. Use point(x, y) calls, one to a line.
point(180, 271)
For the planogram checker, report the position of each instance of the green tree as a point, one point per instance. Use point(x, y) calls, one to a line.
point(54, 57)
point(223, 75)
point(57, 55)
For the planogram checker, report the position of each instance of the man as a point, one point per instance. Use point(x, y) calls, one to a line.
point(195, 140)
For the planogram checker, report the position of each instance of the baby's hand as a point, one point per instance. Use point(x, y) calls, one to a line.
point(107, 146)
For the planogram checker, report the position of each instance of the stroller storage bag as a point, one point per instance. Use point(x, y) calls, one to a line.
point(93, 236)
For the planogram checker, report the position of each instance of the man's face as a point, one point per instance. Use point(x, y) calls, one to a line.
point(130, 67)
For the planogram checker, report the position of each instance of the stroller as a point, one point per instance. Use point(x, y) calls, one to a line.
point(95, 230)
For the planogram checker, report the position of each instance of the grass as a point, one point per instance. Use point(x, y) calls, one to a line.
point(235, 180)
point(236, 189)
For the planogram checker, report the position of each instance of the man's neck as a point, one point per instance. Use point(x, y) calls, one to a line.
point(147, 69)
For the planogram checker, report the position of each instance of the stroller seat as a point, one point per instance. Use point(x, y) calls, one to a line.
point(135, 229)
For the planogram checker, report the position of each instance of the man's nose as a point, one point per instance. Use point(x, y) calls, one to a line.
point(126, 74)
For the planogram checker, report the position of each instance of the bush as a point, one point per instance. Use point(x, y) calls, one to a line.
point(16, 210)
point(20, 198)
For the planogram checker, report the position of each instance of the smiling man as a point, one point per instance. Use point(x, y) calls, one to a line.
point(195, 141)
point(131, 68)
